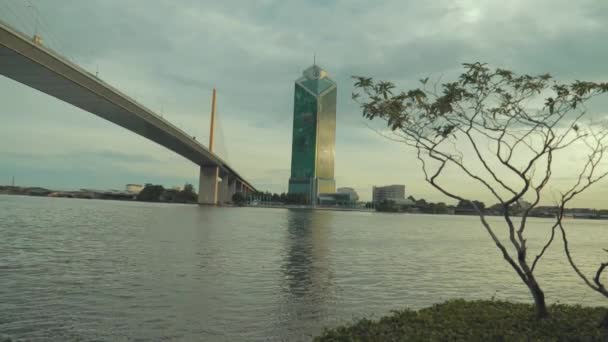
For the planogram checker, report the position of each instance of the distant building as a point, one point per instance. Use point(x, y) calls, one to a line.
point(403, 201)
point(389, 192)
point(134, 188)
point(314, 134)
point(353, 196)
point(338, 199)
point(38, 191)
point(524, 205)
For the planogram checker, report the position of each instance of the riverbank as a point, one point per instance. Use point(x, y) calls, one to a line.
point(459, 320)
point(160, 196)
point(307, 207)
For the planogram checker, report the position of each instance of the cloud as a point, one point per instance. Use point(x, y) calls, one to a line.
point(169, 55)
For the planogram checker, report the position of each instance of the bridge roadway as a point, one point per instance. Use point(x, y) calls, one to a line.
point(30, 63)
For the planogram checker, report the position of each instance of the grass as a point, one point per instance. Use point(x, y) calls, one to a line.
point(459, 320)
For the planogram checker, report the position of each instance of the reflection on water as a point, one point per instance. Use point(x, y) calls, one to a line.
point(105, 271)
point(308, 278)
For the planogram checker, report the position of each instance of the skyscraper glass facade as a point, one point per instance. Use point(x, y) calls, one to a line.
point(314, 134)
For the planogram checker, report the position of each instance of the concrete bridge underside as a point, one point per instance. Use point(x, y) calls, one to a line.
point(40, 68)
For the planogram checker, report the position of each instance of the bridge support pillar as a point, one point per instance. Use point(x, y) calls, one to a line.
point(224, 191)
point(208, 185)
point(232, 186)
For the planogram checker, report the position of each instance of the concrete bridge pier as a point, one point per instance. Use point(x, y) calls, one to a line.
point(232, 187)
point(227, 189)
point(224, 191)
point(213, 191)
point(208, 185)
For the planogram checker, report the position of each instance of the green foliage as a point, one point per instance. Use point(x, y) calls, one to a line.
point(187, 195)
point(284, 198)
point(150, 193)
point(157, 193)
point(188, 188)
point(387, 206)
point(517, 208)
point(296, 199)
point(459, 320)
point(439, 111)
point(238, 199)
point(467, 205)
point(431, 207)
point(512, 143)
point(420, 205)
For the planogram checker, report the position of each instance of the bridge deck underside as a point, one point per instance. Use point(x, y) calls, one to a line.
point(23, 70)
point(85, 91)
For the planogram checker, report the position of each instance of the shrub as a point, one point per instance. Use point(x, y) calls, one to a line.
point(459, 320)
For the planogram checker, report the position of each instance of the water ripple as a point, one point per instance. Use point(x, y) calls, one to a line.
point(104, 270)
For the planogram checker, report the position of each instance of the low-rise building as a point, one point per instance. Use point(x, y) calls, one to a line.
point(352, 194)
point(134, 188)
point(337, 199)
point(395, 192)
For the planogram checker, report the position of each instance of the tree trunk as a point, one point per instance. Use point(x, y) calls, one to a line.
point(539, 298)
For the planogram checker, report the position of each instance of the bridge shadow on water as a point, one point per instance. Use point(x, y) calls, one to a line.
point(308, 279)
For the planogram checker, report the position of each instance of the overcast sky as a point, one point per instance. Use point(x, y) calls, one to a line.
point(169, 54)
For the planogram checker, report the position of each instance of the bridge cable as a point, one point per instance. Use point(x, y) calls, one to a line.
point(45, 27)
point(220, 143)
point(33, 23)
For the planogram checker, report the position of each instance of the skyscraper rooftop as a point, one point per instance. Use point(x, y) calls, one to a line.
point(315, 80)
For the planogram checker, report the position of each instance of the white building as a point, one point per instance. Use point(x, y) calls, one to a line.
point(394, 192)
point(134, 188)
point(354, 197)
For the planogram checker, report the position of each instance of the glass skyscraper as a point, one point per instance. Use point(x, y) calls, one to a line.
point(314, 134)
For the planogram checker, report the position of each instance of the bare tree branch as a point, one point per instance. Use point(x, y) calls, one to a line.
point(485, 106)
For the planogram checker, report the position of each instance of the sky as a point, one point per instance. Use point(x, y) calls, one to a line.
point(169, 54)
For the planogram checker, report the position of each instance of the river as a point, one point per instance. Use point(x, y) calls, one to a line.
point(93, 270)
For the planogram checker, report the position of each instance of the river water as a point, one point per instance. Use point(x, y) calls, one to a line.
point(110, 271)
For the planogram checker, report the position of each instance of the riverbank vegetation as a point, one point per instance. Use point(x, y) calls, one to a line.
point(157, 193)
point(460, 320)
point(276, 199)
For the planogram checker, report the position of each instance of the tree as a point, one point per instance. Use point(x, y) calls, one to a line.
point(238, 199)
point(150, 193)
point(589, 176)
point(275, 197)
point(440, 208)
point(267, 196)
point(188, 188)
point(422, 205)
point(496, 209)
point(295, 198)
point(470, 207)
point(388, 206)
point(187, 195)
point(511, 144)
